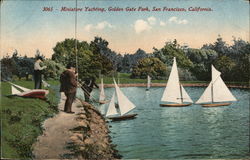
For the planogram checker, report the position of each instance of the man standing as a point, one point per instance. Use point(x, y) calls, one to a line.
point(38, 72)
point(68, 86)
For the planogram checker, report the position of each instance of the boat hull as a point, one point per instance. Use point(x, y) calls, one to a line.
point(35, 93)
point(175, 105)
point(125, 117)
point(103, 102)
point(216, 104)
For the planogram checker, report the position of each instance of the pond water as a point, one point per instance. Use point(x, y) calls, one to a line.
point(188, 132)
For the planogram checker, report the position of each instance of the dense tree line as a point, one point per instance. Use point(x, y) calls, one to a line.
point(195, 64)
point(97, 58)
point(23, 67)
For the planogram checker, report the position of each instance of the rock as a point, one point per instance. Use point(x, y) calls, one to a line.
point(73, 138)
point(83, 124)
point(79, 135)
point(88, 141)
point(82, 148)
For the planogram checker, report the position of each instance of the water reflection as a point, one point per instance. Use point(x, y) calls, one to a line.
point(188, 132)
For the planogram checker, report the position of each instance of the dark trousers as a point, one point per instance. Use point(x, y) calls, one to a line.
point(38, 79)
point(87, 92)
point(69, 101)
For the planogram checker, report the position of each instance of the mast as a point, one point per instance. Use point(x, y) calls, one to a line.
point(76, 41)
point(212, 95)
point(181, 94)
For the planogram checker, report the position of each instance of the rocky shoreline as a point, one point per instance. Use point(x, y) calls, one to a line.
point(91, 138)
point(164, 84)
point(83, 135)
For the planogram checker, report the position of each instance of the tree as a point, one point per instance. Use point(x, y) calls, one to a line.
point(130, 60)
point(8, 67)
point(100, 45)
point(202, 60)
point(17, 65)
point(219, 46)
point(149, 66)
point(242, 69)
point(65, 52)
point(171, 50)
point(53, 70)
point(25, 67)
point(90, 61)
point(225, 65)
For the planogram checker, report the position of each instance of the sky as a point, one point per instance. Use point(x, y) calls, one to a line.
point(25, 27)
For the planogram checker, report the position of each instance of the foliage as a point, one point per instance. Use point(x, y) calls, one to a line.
point(25, 67)
point(186, 75)
point(16, 65)
point(202, 60)
point(65, 51)
point(90, 62)
point(225, 65)
point(101, 46)
point(232, 60)
point(130, 60)
point(242, 70)
point(171, 50)
point(149, 66)
point(8, 67)
point(219, 46)
point(53, 70)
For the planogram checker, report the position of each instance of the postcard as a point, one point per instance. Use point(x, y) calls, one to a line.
point(134, 79)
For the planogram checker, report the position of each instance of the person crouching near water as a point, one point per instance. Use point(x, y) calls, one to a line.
point(69, 86)
point(88, 86)
point(38, 72)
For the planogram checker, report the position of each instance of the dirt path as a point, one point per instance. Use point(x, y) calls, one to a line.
point(56, 136)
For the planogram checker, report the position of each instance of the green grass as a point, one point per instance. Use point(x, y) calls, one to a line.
point(21, 120)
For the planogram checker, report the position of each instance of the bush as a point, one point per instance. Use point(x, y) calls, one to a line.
point(53, 70)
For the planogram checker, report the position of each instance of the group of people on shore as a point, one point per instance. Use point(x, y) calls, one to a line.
point(68, 83)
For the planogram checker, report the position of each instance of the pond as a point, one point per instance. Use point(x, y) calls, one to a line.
point(188, 132)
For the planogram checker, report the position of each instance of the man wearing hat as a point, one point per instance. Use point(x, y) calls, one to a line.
point(38, 73)
point(68, 86)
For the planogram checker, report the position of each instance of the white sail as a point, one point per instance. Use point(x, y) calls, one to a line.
point(20, 87)
point(124, 104)
point(111, 108)
point(172, 90)
point(14, 90)
point(221, 93)
point(217, 90)
point(148, 82)
point(102, 93)
point(215, 74)
point(185, 96)
point(206, 96)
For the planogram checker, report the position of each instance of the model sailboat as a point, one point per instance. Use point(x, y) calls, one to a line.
point(124, 105)
point(148, 82)
point(216, 91)
point(102, 96)
point(174, 91)
point(25, 92)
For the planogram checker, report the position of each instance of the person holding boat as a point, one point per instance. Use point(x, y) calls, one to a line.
point(69, 86)
point(38, 72)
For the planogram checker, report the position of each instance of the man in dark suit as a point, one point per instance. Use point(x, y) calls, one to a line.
point(68, 86)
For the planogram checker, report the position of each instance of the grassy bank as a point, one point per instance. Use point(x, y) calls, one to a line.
point(21, 120)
